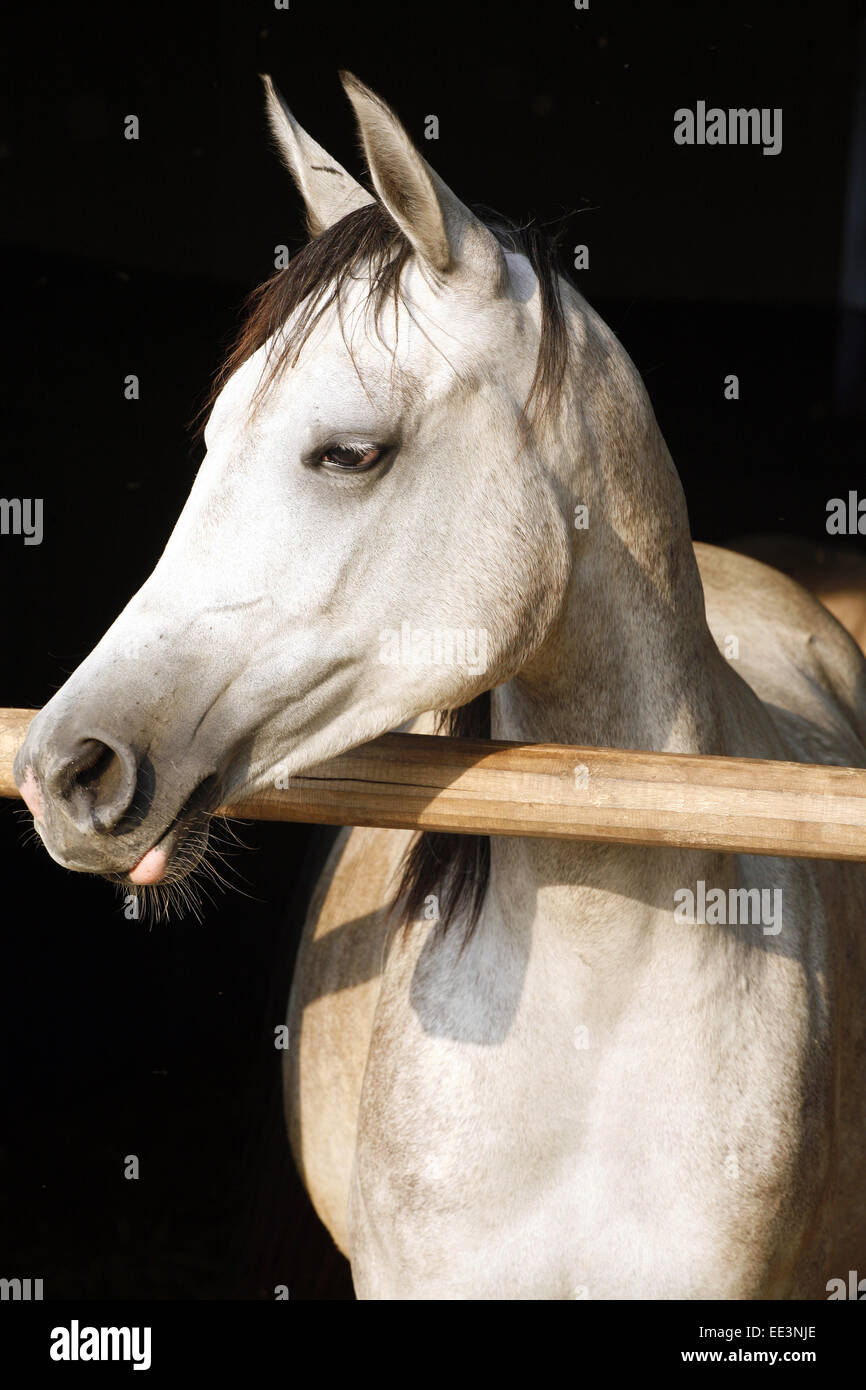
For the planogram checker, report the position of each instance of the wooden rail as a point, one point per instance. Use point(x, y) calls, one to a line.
point(469, 786)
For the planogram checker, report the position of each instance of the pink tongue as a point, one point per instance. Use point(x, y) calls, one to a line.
point(150, 867)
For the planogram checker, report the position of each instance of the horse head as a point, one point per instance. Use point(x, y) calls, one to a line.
point(375, 530)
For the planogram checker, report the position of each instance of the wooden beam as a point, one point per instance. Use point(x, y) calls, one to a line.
point(480, 787)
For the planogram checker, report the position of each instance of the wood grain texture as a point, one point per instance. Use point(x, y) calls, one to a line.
point(416, 781)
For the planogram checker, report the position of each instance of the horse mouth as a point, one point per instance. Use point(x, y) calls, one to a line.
point(181, 846)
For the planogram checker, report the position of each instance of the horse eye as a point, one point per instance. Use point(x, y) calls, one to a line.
point(351, 458)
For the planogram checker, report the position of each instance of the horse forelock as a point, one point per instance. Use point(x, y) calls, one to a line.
point(367, 242)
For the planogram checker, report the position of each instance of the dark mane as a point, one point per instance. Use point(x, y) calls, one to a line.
point(368, 243)
point(453, 868)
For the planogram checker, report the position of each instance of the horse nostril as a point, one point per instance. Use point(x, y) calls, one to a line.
point(97, 782)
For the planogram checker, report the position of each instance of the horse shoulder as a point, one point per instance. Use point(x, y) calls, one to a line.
point(335, 989)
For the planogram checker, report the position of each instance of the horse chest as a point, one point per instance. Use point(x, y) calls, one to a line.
point(549, 1157)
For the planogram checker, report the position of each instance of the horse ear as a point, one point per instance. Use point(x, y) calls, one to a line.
point(327, 189)
point(446, 236)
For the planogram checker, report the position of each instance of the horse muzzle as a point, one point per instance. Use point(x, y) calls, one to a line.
point(103, 805)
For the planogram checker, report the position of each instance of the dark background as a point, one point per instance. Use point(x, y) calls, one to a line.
point(122, 1037)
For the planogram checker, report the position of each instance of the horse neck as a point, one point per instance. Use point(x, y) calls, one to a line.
point(630, 661)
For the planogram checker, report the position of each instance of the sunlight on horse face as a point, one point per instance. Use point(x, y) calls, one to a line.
point(330, 564)
point(307, 602)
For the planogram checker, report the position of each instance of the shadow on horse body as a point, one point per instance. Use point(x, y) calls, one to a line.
point(530, 1078)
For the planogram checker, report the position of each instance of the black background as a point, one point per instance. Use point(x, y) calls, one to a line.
point(121, 1037)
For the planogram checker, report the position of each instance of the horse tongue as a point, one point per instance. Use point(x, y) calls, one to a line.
point(150, 867)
